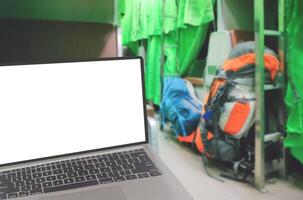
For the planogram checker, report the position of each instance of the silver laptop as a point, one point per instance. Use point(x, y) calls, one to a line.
point(78, 131)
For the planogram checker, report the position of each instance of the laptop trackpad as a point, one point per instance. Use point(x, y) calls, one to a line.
point(112, 193)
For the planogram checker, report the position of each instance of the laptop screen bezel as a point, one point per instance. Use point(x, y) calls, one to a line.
point(93, 150)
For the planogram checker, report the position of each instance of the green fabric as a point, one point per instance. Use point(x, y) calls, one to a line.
point(294, 96)
point(182, 30)
point(181, 56)
point(139, 21)
point(129, 28)
point(171, 19)
point(194, 14)
point(121, 11)
point(121, 6)
point(153, 69)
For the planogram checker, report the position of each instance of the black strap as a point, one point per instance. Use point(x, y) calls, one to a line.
point(217, 136)
point(193, 143)
point(205, 161)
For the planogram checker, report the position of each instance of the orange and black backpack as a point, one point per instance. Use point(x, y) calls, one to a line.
point(229, 108)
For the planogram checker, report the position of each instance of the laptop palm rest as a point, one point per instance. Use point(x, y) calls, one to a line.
point(109, 193)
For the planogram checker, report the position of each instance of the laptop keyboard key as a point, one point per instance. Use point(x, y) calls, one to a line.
point(27, 177)
point(25, 188)
point(105, 180)
point(100, 165)
point(30, 182)
point(128, 166)
point(140, 176)
point(59, 182)
point(68, 170)
point(82, 162)
point(35, 192)
point(83, 173)
point(116, 168)
point(51, 178)
point(113, 174)
point(72, 174)
point(48, 173)
point(122, 173)
point(102, 175)
point(80, 179)
point(127, 172)
point(58, 171)
point(37, 175)
point(70, 186)
point(143, 175)
point(78, 168)
point(69, 181)
point(40, 180)
point(87, 167)
point(47, 184)
point(155, 174)
point(91, 177)
point(119, 179)
point(105, 169)
point(36, 186)
point(61, 176)
point(20, 184)
point(130, 177)
point(12, 195)
point(93, 171)
point(23, 194)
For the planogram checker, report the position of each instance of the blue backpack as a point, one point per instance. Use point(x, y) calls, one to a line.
point(179, 107)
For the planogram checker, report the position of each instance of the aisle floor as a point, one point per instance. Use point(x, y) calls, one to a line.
point(188, 168)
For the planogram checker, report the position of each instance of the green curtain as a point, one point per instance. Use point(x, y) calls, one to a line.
point(153, 69)
point(182, 30)
point(294, 96)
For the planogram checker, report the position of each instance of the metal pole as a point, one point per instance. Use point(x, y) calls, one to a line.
point(281, 17)
point(259, 81)
point(282, 57)
point(220, 20)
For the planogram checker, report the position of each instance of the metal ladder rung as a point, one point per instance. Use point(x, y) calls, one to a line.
point(269, 87)
point(272, 137)
point(273, 33)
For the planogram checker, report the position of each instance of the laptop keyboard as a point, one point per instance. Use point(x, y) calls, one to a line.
point(76, 173)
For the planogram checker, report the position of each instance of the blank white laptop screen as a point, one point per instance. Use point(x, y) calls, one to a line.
point(54, 109)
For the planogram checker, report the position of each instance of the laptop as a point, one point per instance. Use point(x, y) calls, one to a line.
point(78, 131)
